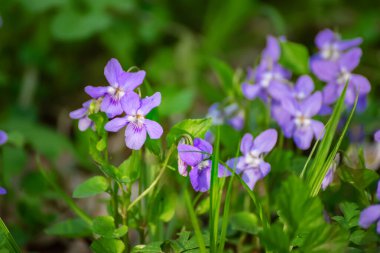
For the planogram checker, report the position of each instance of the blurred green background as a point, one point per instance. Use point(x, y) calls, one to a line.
point(51, 49)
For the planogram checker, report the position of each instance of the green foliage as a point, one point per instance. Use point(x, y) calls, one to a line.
point(176, 100)
point(7, 243)
point(129, 170)
point(71, 228)
point(193, 127)
point(245, 222)
point(275, 239)
point(107, 245)
point(105, 227)
point(295, 57)
point(225, 75)
point(359, 178)
point(91, 187)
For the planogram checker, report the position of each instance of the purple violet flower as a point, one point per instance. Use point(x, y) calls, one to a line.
point(251, 165)
point(198, 157)
point(137, 126)
point(120, 84)
point(232, 114)
point(3, 137)
point(3, 191)
point(182, 166)
point(377, 136)
point(371, 214)
point(82, 114)
point(336, 74)
point(269, 78)
point(328, 179)
point(298, 122)
point(331, 46)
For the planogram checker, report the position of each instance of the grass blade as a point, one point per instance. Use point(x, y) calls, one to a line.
point(11, 244)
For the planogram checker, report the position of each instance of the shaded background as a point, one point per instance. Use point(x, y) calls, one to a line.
point(51, 49)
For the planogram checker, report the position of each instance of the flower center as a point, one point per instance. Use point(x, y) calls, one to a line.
point(330, 52)
point(253, 158)
point(203, 165)
point(302, 121)
point(267, 77)
point(116, 92)
point(137, 119)
point(344, 76)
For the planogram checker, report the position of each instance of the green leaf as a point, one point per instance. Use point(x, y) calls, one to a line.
point(105, 226)
point(154, 247)
point(245, 222)
point(275, 239)
point(166, 204)
point(72, 228)
point(6, 240)
point(193, 127)
point(130, 168)
point(106, 245)
point(359, 178)
point(39, 6)
point(294, 57)
point(203, 206)
point(91, 187)
point(225, 75)
point(176, 100)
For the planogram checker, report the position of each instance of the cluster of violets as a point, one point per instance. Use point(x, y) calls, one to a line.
point(251, 165)
point(3, 140)
point(294, 106)
point(122, 105)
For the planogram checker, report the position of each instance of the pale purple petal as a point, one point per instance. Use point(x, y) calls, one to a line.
point(84, 123)
point(79, 113)
point(3, 191)
point(223, 171)
point(290, 105)
point(272, 50)
point(3, 137)
point(377, 136)
point(324, 37)
point(369, 216)
point(378, 190)
point(351, 59)
point(251, 176)
point(135, 136)
point(327, 180)
point(131, 80)
point(112, 72)
point(265, 141)
point(190, 154)
point(378, 227)
point(111, 106)
point(312, 104)
point(131, 103)
point(200, 179)
point(350, 95)
point(116, 124)
point(233, 164)
point(148, 103)
point(280, 114)
point(330, 93)
point(347, 44)
point(182, 167)
point(278, 90)
point(303, 138)
point(246, 143)
point(361, 84)
point(325, 70)
point(209, 137)
point(304, 86)
point(96, 92)
point(288, 128)
point(318, 129)
point(203, 145)
point(264, 168)
point(153, 128)
point(237, 122)
point(251, 91)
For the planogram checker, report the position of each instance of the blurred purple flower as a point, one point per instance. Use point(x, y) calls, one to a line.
point(297, 122)
point(251, 165)
point(198, 157)
point(232, 115)
point(137, 126)
point(328, 179)
point(120, 84)
point(269, 78)
point(303, 88)
point(3, 191)
point(82, 114)
point(331, 46)
point(377, 136)
point(182, 166)
point(3, 137)
point(338, 73)
point(371, 214)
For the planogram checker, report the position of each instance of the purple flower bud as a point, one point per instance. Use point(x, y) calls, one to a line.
point(82, 114)
point(3, 137)
point(3, 191)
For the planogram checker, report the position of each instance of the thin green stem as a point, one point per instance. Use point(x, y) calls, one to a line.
point(13, 247)
point(194, 222)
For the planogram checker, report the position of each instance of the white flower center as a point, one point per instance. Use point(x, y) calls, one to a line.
point(267, 77)
point(203, 165)
point(302, 121)
point(344, 76)
point(116, 92)
point(253, 158)
point(330, 52)
point(299, 96)
point(137, 119)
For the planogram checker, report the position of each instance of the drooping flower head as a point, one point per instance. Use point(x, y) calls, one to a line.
point(377, 136)
point(251, 165)
point(331, 46)
point(120, 84)
point(198, 157)
point(269, 78)
point(298, 122)
point(3, 137)
point(137, 126)
point(328, 179)
point(3, 191)
point(82, 114)
point(371, 214)
point(338, 73)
